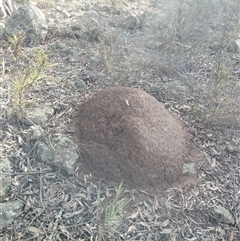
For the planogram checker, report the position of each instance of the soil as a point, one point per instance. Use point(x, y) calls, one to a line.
point(125, 134)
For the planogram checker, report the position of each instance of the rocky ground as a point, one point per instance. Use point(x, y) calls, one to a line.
point(180, 52)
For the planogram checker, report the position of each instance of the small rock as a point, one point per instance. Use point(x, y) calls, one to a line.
point(36, 132)
point(79, 84)
point(110, 9)
point(214, 46)
point(176, 87)
point(64, 154)
point(61, 30)
point(165, 79)
point(64, 50)
point(1, 30)
point(189, 168)
point(224, 215)
point(233, 47)
point(9, 211)
point(59, 46)
point(5, 178)
point(38, 116)
point(31, 21)
point(87, 26)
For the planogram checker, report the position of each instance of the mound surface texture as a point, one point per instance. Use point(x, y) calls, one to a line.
point(126, 134)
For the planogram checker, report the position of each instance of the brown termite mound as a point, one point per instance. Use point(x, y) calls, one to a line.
point(126, 134)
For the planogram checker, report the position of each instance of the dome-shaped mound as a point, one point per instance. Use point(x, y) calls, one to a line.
point(126, 134)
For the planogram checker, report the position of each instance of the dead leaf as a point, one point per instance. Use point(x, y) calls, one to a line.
point(165, 223)
point(167, 231)
point(145, 225)
point(134, 215)
point(131, 229)
point(34, 230)
point(191, 239)
point(185, 108)
point(231, 236)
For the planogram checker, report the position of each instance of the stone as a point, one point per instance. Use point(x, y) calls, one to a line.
point(214, 46)
point(63, 50)
point(38, 115)
point(36, 132)
point(224, 215)
point(61, 152)
point(31, 21)
point(126, 134)
point(189, 168)
point(5, 178)
point(233, 47)
point(60, 31)
point(1, 30)
point(86, 26)
point(9, 211)
point(110, 9)
point(176, 86)
point(78, 83)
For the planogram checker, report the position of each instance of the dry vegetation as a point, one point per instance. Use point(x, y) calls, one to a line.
point(207, 99)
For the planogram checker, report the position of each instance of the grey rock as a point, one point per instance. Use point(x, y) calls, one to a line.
point(5, 178)
point(232, 147)
point(189, 168)
point(31, 21)
point(154, 87)
point(165, 79)
point(62, 152)
point(36, 132)
point(38, 116)
point(176, 86)
point(153, 45)
point(151, 86)
point(214, 46)
point(1, 30)
point(61, 30)
point(59, 46)
point(63, 50)
point(224, 215)
point(87, 26)
point(9, 211)
point(79, 84)
point(233, 47)
point(110, 9)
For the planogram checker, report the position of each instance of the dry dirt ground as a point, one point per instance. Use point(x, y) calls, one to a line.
point(177, 73)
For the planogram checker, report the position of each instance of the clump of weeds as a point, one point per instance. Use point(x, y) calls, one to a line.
point(28, 71)
point(34, 72)
point(112, 212)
